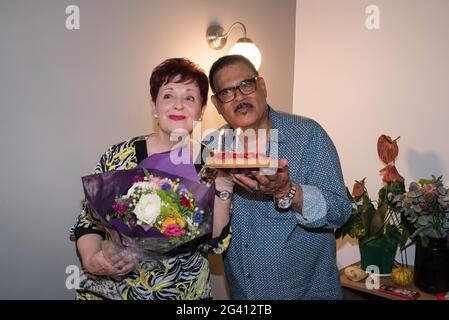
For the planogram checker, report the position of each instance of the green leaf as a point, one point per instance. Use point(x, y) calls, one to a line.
point(366, 199)
point(418, 232)
point(425, 181)
point(383, 194)
point(397, 188)
point(165, 197)
point(423, 221)
point(423, 240)
point(346, 228)
point(378, 220)
point(395, 234)
point(146, 173)
point(367, 218)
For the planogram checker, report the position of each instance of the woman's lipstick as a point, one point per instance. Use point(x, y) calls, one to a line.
point(177, 118)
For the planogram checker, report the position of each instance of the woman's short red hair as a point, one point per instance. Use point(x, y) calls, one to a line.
point(187, 71)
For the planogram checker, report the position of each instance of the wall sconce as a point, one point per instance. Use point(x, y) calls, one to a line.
point(217, 37)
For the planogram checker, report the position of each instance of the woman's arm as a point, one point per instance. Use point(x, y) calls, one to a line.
point(95, 261)
point(223, 182)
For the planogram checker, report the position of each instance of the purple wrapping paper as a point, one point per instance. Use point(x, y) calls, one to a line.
point(102, 189)
point(161, 161)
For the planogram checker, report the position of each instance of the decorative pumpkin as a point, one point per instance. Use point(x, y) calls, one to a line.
point(402, 276)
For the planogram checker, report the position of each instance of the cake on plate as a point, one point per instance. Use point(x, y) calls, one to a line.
point(234, 159)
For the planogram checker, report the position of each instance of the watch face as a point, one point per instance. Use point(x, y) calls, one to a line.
point(224, 195)
point(285, 203)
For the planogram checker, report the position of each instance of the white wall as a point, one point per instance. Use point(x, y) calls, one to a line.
point(65, 96)
point(360, 84)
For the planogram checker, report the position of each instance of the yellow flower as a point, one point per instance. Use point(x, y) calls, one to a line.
point(173, 220)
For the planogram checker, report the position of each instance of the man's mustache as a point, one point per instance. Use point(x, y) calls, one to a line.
point(242, 105)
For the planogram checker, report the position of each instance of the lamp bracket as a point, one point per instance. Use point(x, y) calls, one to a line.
point(217, 37)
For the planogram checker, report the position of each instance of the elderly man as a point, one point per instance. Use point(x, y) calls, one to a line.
point(283, 245)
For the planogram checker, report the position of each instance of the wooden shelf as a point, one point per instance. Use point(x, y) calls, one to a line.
point(361, 287)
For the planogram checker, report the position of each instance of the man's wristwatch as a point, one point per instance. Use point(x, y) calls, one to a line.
point(223, 195)
point(286, 201)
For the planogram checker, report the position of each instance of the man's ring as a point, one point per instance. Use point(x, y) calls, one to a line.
point(257, 188)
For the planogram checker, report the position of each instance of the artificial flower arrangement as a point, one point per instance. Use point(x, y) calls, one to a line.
point(150, 211)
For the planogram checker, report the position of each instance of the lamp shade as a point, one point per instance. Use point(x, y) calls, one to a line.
point(247, 48)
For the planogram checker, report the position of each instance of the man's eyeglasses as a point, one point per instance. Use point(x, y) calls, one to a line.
point(246, 87)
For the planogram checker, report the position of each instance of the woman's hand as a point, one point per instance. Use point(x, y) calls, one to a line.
point(110, 261)
point(224, 181)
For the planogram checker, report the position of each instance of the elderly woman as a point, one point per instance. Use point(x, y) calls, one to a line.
point(179, 97)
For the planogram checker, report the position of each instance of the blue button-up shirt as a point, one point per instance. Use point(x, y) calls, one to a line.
point(289, 255)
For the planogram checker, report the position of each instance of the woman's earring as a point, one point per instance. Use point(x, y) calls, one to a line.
point(155, 116)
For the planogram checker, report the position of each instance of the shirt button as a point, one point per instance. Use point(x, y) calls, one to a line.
point(248, 276)
point(246, 246)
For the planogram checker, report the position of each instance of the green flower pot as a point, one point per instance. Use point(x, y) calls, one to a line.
point(379, 253)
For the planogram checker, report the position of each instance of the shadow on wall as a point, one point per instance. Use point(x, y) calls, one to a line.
point(424, 165)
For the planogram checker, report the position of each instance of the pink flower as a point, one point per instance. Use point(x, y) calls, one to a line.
point(120, 207)
point(428, 187)
point(424, 206)
point(173, 230)
point(158, 182)
point(138, 179)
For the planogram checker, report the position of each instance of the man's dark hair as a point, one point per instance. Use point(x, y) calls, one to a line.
point(226, 61)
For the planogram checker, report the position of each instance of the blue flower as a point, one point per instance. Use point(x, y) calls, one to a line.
point(198, 217)
point(166, 186)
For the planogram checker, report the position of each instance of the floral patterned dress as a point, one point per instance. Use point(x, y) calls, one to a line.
point(181, 274)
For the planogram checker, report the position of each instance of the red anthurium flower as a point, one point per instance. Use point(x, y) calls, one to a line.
point(390, 174)
point(359, 188)
point(387, 149)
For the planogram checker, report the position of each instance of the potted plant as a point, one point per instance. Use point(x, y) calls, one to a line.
point(376, 224)
point(425, 216)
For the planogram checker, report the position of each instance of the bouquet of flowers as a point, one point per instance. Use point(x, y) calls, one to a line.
point(166, 205)
point(151, 213)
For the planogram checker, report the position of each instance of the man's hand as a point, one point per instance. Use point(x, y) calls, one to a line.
point(276, 185)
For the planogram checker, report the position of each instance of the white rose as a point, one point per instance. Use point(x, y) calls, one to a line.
point(148, 208)
point(145, 185)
